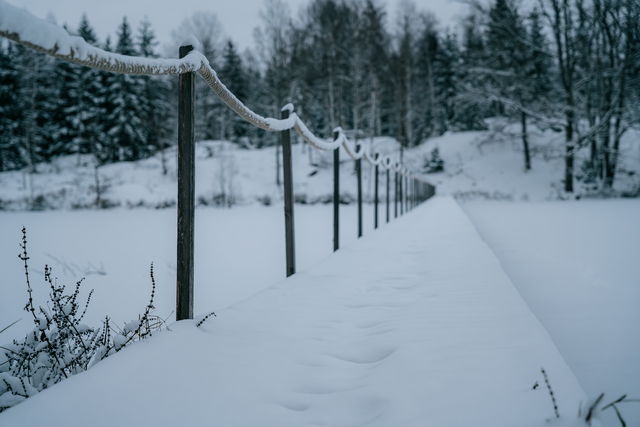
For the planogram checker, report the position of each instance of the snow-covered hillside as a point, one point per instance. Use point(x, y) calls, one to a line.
point(225, 174)
point(478, 165)
point(490, 165)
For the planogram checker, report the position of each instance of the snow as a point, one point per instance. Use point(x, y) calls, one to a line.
point(478, 165)
point(489, 165)
point(413, 325)
point(68, 182)
point(49, 36)
point(114, 250)
point(576, 265)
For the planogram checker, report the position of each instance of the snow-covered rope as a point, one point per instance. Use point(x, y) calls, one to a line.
point(22, 27)
point(355, 153)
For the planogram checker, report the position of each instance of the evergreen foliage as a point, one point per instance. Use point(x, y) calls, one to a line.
point(570, 65)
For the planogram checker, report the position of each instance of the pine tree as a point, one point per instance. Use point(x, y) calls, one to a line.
point(469, 110)
point(510, 60)
point(234, 77)
point(126, 121)
point(427, 52)
point(155, 99)
point(447, 66)
point(105, 148)
point(38, 101)
point(10, 113)
point(375, 45)
point(84, 111)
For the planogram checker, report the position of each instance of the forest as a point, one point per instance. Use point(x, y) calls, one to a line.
point(572, 66)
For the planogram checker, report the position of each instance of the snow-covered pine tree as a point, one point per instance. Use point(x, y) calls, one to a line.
point(375, 45)
point(469, 112)
point(447, 78)
point(234, 77)
point(10, 112)
point(155, 101)
point(405, 73)
point(428, 46)
point(105, 146)
point(126, 120)
point(509, 63)
point(84, 111)
point(38, 101)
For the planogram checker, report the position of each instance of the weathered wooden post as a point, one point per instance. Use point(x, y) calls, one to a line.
point(406, 193)
point(285, 140)
point(336, 195)
point(388, 206)
point(395, 195)
point(401, 193)
point(186, 192)
point(413, 193)
point(359, 176)
point(375, 193)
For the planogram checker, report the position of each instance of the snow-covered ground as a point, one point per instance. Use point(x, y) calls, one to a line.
point(490, 165)
point(576, 265)
point(248, 176)
point(413, 325)
point(478, 165)
point(239, 252)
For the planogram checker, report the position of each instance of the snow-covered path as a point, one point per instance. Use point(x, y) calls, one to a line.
point(413, 325)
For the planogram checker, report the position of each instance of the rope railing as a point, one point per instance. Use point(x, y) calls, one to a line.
point(21, 27)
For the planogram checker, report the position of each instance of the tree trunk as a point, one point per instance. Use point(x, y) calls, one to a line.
point(569, 154)
point(278, 164)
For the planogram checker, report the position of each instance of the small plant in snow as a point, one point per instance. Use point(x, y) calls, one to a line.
point(205, 318)
point(551, 395)
point(434, 162)
point(60, 344)
point(592, 409)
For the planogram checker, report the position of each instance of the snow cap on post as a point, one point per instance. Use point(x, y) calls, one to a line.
point(288, 107)
point(191, 40)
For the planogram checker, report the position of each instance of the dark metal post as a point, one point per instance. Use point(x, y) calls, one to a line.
point(336, 196)
point(375, 196)
point(388, 195)
point(285, 140)
point(186, 192)
point(359, 175)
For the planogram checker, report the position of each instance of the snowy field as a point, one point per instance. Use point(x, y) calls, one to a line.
point(404, 327)
point(239, 252)
point(576, 265)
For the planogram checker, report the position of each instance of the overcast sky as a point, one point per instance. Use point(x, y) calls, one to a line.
point(239, 17)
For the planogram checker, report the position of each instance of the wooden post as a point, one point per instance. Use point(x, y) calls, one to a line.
point(359, 176)
point(336, 196)
point(388, 195)
point(405, 192)
point(395, 196)
point(375, 195)
point(401, 194)
point(186, 192)
point(413, 193)
point(285, 140)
